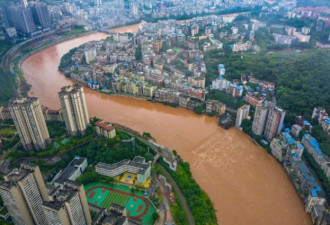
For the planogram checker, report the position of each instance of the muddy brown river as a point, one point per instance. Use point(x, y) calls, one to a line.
point(247, 185)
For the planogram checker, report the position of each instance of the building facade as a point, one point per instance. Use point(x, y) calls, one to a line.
point(136, 166)
point(274, 122)
point(74, 108)
point(74, 170)
point(29, 122)
point(260, 118)
point(23, 192)
point(68, 205)
point(105, 129)
point(41, 15)
point(242, 113)
point(20, 18)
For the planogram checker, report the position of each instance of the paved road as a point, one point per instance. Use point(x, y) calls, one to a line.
point(181, 197)
point(50, 160)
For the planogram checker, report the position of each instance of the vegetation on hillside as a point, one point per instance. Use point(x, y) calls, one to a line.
point(199, 203)
point(302, 78)
point(5, 89)
point(66, 59)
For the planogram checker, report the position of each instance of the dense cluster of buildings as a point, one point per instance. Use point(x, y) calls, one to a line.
point(169, 67)
point(289, 152)
point(26, 19)
point(104, 14)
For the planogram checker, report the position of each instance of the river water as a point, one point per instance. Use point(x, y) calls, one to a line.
point(247, 185)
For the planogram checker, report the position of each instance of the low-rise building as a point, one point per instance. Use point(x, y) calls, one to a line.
point(241, 47)
point(221, 84)
point(254, 99)
point(115, 215)
point(278, 148)
point(74, 170)
point(305, 183)
point(52, 115)
point(167, 95)
point(136, 166)
point(105, 129)
point(149, 91)
point(284, 39)
point(221, 69)
point(302, 37)
point(313, 148)
point(236, 90)
point(196, 82)
point(4, 113)
point(215, 107)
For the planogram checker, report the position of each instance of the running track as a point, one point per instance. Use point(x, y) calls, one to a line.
point(139, 217)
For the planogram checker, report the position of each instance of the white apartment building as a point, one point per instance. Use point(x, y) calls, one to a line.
point(74, 107)
point(242, 113)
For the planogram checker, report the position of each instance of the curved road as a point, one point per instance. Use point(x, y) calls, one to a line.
point(181, 197)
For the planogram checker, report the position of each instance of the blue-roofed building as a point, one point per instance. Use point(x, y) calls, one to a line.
point(236, 90)
point(305, 182)
point(221, 69)
point(315, 198)
point(313, 148)
point(287, 137)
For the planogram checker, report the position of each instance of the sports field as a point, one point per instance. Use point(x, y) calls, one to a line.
point(137, 206)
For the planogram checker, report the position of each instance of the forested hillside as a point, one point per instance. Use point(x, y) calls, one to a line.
point(302, 78)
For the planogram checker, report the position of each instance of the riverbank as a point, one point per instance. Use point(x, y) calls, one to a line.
point(222, 162)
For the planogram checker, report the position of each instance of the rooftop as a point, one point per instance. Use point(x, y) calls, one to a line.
point(70, 169)
point(136, 162)
point(313, 142)
point(105, 125)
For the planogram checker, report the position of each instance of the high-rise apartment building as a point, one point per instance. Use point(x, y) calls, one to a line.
point(29, 122)
point(41, 15)
point(68, 205)
point(21, 18)
point(23, 192)
point(242, 113)
point(74, 109)
point(260, 118)
point(90, 55)
point(274, 122)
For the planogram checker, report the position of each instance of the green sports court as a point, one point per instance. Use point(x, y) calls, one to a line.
point(137, 206)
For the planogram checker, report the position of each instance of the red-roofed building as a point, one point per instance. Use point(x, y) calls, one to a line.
point(105, 129)
point(254, 99)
